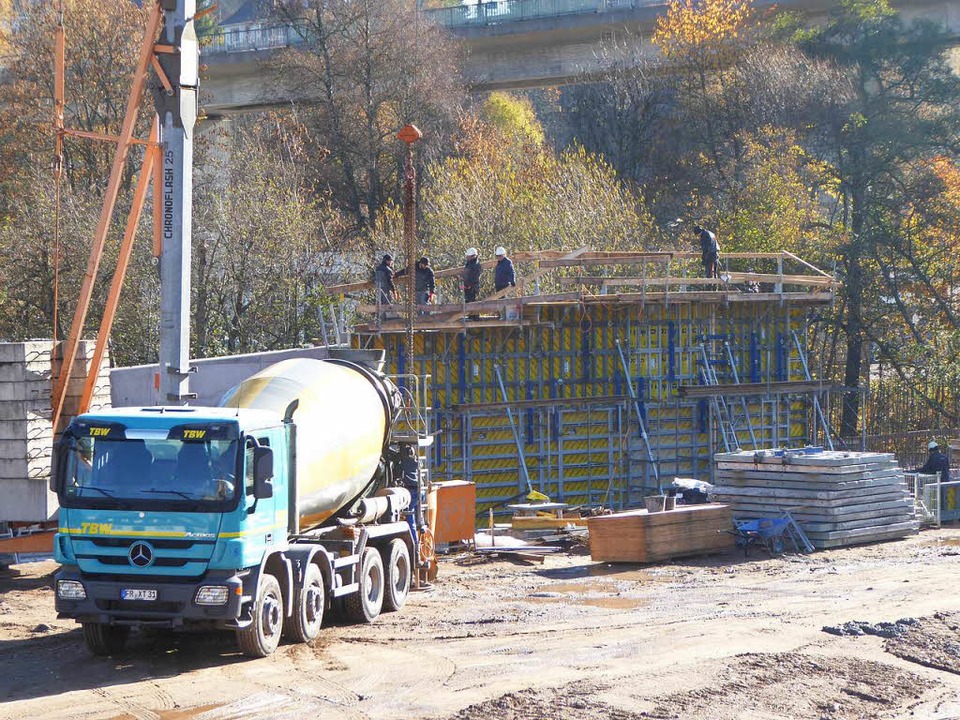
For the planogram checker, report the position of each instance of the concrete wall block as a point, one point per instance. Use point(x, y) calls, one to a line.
point(26, 430)
point(28, 450)
point(18, 372)
point(25, 410)
point(25, 391)
point(32, 351)
point(19, 468)
point(27, 500)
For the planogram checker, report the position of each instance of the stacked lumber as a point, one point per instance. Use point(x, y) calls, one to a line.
point(838, 498)
point(643, 537)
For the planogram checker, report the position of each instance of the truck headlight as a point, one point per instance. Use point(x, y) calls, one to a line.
point(212, 595)
point(71, 590)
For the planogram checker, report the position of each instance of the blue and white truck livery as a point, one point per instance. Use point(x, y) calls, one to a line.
point(302, 490)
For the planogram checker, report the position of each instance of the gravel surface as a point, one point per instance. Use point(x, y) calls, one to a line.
point(703, 639)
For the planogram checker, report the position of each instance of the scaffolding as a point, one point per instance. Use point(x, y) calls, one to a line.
point(598, 397)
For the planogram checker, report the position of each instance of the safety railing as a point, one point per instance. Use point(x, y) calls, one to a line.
point(238, 39)
point(270, 35)
point(499, 11)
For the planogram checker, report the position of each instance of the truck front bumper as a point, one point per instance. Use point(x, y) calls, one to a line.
point(174, 605)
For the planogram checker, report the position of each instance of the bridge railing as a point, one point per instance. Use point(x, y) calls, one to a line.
point(235, 39)
point(269, 36)
point(498, 11)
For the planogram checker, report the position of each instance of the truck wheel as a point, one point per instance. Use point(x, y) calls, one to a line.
point(397, 558)
point(308, 604)
point(103, 639)
point(365, 604)
point(261, 637)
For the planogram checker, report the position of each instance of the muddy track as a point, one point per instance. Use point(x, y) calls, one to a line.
point(718, 638)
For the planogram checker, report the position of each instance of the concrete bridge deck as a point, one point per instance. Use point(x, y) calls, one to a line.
point(509, 43)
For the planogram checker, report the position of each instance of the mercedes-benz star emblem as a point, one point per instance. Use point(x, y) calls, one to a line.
point(141, 555)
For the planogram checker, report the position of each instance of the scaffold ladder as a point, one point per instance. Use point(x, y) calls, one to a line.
point(636, 407)
point(745, 417)
point(818, 410)
point(721, 412)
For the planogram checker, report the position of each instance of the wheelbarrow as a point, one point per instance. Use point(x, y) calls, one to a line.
point(765, 532)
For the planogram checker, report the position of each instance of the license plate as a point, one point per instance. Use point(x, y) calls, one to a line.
point(137, 594)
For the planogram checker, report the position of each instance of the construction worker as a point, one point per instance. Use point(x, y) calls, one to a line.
point(504, 275)
point(709, 250)
point(426, 282)
point(471, 276)
point(936, 463)
point(383, 278)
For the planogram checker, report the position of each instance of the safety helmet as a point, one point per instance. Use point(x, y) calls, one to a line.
point(932, 445)
point(471, 252)
point(500, 251)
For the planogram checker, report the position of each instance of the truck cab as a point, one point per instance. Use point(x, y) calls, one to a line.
point(175, 517)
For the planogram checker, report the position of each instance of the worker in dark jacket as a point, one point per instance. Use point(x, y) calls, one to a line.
point(709, 250)
point(937, 463)
point(504, 275)
point(426, 282)
point(471, 276)
point(383, 278)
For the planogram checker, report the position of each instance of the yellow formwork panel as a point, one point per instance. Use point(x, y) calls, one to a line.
point(534, 358)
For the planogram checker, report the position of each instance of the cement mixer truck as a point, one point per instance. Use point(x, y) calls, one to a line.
point(300, 494)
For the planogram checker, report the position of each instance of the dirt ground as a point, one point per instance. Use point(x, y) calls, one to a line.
point(715, 638)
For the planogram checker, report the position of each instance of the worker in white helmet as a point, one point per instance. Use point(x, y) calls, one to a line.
point(504, 275)
point(937, 463)
point(471, 276)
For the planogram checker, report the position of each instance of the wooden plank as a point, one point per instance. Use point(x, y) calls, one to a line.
point(907, 526)
point(639, 536)
point(714, 297)
point(41, 542)
point(879, 537)
point(500, 295)
point(779, 387)
point(733, 278)
point(814, 497)
point(520, 522)
point(788, 254)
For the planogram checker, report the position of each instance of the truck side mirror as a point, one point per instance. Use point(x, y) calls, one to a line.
point(55, 464)
point(262, 472)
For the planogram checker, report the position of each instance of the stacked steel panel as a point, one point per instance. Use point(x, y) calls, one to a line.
point(838, 498)
point(26, 429)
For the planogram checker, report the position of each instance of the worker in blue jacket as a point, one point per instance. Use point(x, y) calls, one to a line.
point(937, 463)
point(503, 275)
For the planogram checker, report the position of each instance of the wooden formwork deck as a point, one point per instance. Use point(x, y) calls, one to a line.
point(584, 278)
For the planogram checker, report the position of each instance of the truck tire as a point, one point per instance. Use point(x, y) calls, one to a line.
point(365, 604)
point(309, 601)
point(261, 637)
point(104, 640)
point(397, 559)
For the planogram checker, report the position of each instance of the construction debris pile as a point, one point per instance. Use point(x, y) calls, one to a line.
point(838, 498)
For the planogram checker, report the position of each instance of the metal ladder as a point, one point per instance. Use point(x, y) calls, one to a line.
point(818, 410)
point(744, 416)
point(636, 407)
point(718, 404)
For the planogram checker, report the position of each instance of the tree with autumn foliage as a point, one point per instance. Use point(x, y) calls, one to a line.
point(369, 67)
point(505, 186)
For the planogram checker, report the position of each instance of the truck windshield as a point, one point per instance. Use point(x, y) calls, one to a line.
point(116, 471)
